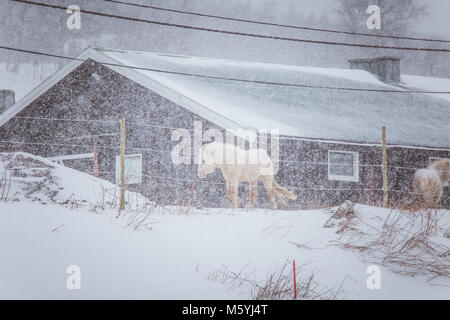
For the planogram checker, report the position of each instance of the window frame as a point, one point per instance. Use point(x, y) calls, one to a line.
point(117, 173)
point(334, 177)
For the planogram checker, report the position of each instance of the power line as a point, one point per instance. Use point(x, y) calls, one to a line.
point(93, 121)
point(275, 24)
point(169, 178)
point(155, 177)
point(289, 138)
point(65, 145)
point(166, 178)
point(297, 162)
point(223, 78)
point(224, 183)
point(236, 33)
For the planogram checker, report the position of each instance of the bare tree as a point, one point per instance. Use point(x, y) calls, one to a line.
point(398, 16)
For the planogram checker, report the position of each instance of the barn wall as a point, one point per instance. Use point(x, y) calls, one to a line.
point(308, 175)
point(93, 98)
point(405, 160)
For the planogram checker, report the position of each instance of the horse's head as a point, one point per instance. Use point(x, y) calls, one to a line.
point(445, 174)
point(206, 162)
point(205, 169)
point(443, 169)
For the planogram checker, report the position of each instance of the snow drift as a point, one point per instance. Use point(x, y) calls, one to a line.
point(25, 177)
point(47, 225)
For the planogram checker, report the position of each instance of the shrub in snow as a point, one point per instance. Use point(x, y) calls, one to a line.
point(344, 211)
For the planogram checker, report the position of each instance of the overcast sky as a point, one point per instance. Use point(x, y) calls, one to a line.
point(44, 29)
point(438, 21)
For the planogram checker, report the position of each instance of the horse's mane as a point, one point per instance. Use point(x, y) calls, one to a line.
point(215, 149)
point(440, 164)
point(442, 167)
point(226, 147)
point(217, 145)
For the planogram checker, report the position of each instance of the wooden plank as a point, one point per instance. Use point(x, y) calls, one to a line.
point(122, 164)
point(385, 176)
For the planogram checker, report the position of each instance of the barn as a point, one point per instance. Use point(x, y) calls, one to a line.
point(323, 124)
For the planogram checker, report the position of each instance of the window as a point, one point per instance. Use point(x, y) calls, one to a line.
point(343, 166)
point(133, 169)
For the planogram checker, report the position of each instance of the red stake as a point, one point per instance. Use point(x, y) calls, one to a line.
point(295, 283)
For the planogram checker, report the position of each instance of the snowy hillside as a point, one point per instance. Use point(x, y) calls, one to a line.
point(36, 179)
point(187, 253)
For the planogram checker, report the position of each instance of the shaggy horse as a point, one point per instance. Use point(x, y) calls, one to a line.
point(429, 182)
point(239, 165)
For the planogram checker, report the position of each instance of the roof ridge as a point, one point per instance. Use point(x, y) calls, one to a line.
point(218, 59)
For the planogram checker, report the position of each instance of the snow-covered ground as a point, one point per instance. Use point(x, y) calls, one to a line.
point(176, 252)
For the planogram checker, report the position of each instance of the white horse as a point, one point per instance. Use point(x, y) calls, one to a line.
point(429, 182)
point(239, 165)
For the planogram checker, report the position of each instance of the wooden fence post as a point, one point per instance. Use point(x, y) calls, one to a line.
point(122, 164)
point(95, 161)
point(385, 176)
point(295, 281)
point(372, 197)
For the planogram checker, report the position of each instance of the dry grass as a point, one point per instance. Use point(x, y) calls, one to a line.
point(278, 285)
point(412, 203)
point(413, 250)
point(408, 243)
point(185, 202)
point(139, 211)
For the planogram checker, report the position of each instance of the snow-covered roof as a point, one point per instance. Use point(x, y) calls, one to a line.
point(411, 119)
point(19, 84)
point(428, 84)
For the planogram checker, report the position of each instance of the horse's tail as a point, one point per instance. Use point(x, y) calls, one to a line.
point(282, 192)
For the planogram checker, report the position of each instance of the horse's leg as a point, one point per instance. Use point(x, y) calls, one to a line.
point(253, 192)
point(427, 199)
point(229, 187)
point(232, 192)
point(437, 198)
point(434, 193)
point(229, 192)
point(436, 202)
point(268, 183)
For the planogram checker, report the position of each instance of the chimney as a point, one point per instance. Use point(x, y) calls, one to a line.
point(386, 69)
point(7, 99)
